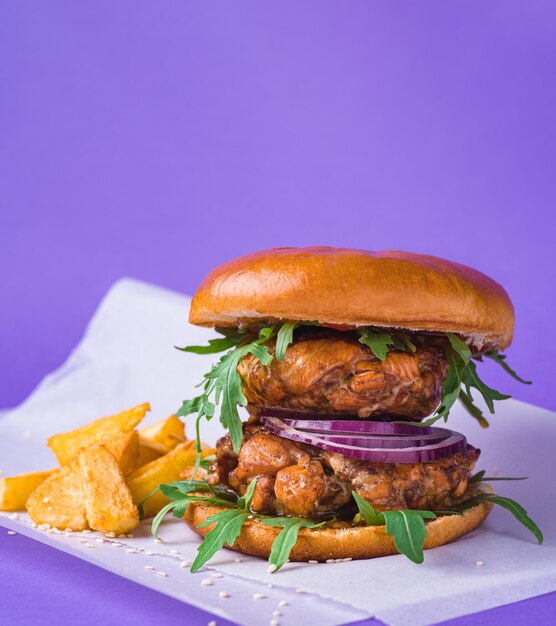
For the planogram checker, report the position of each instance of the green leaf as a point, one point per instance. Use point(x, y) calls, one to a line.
point(471, 379)
point(286, 540)
point(377, 342)
point(501, 360)
point(215, 345)
point(460, 347)
point(467, 401)
point(160, 516)
point(408, 531)
point(284, 338)
point(407, 341)
point(228, 524)
point(245, 501)
point(480, 477)
point(200, 405)
point(228, 385)
point(367, 512)
point(450, 389)
point(266, 333)
point(206, 462)
point(476, 478)
point(510, 505)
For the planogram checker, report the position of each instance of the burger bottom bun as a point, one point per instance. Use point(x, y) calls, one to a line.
point(356, 542)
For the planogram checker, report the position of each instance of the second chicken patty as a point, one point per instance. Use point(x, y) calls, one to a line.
point(332, 372)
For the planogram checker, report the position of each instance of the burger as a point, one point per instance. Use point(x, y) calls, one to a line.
point(344, 361)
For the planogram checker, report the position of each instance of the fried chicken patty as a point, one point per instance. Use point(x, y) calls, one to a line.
point(303, 480)
point(332, 372)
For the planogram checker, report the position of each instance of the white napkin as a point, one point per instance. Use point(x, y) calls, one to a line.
point(127, 357)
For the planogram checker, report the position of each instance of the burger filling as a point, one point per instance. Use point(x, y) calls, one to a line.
point(332, 372)
point(306, 481)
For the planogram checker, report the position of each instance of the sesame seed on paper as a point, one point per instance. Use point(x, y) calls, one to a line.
point(224, 594)
point(216, 575)
point(12, 532)
point(282, 603)
point(211, 623)
point(163, 574)
point(277, 613)
point(300, 590)
point(259, 596)
point(150, 567)
point(207, 582)
point(274, 622)
point(479, 563)
point(184, 564)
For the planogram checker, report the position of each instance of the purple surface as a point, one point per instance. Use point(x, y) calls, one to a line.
point(157, 140)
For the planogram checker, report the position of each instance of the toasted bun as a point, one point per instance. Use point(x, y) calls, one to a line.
point(356, 542)
point(357, 288)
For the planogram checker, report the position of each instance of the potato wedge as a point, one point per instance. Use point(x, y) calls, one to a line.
point(149, 451)
point(167, 432)
point(14, 490)
point(58, 500)
point(108, 502)
point(166, 469)
point(125, 449)
point(66, 445)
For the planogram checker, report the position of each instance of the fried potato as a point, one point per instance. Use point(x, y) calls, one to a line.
point(125, 449)
point(108, 502)
point(166, 469)
point(167, 432)
point(14, 490)
point(149, 451)
point(59, 501)
point(66, 445)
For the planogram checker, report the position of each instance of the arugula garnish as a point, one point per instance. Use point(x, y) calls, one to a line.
point(510, 505)
point(286, 540)
point(378, 342)
point(480, 477)
point(228, 522)
point(407, 528)
point(223, 384)
point(284, 338)
point(232, 337)
point(501, 360)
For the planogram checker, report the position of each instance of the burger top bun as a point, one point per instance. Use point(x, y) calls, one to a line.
point(340, 286)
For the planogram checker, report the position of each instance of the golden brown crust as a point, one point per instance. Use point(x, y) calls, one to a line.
point(356, 542)
point(356, 288)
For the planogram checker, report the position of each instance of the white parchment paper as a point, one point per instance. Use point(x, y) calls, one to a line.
point(127, 357)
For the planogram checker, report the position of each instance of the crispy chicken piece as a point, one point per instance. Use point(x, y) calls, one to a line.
point(304, 480)
point(389, 486)
point(332, 372)
point(300, 488)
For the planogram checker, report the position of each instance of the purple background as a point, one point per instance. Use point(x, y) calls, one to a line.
point(157, 140)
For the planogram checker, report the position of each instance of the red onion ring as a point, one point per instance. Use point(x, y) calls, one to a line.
point(358, 426)
point(455, 442)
